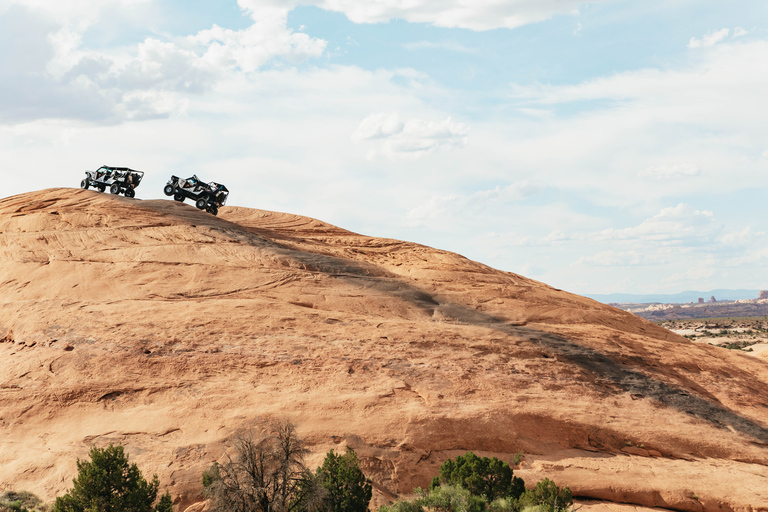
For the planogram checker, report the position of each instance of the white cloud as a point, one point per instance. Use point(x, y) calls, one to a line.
point(444, 45)
point(709, 39)
point(670, 170)
point(676, 225)
point(446, 209)
point(476, 15)
point(411, 138)
point(153, 78)
point(378, 126)
point(609, 135)
point(250, 48)
point(699, 271)
point(630, 258)
point(75, 14)
point(739, 32)
point(745, 237)
point(558, 235)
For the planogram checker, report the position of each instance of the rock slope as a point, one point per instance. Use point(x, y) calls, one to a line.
point(155, 325)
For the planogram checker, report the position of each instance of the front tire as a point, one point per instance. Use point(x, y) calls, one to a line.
point(115, 188)
point(201, 203)
point(84, 184)
point(101, 188)
point(178, 196)
point(213, 210)
point(168, 190)
point(129, 192)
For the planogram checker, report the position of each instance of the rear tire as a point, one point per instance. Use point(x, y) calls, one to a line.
point(178, 196)
point(101, 188)
point(84, 184)
point(168, 190)
point(213, 210)
point(129, 192)
point(201, 203)
point(115, 188)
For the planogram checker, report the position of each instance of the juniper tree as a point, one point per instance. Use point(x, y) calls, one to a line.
point(109, 483)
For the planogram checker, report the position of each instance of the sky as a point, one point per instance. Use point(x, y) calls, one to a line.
point(599, 147)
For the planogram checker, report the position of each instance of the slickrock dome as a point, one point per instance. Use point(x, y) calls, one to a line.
point(166, 329)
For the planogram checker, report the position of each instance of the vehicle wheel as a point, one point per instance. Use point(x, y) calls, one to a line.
point(115, 188)
point(168, 190)
point(84, 184)
point(213, 209)
point(201, 203)
point(129, 192)
point(101, 188)
point(178, 196)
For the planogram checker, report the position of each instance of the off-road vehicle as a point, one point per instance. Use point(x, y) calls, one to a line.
point(117, 179)
point(207, 196)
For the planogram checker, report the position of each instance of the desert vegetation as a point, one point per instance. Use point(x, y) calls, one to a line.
point(478, 484)
point(734, 333)
point(109, 483)
point(11, 501)
point(265, 472)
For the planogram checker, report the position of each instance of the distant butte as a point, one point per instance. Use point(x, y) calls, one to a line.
point(166, 329)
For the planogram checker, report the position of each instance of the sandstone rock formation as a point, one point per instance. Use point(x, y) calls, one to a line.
point(155, 325)
point(763, 294)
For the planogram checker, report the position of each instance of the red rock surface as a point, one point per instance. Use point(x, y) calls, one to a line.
point(155, 325)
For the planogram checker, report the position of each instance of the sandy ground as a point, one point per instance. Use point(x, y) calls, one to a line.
point(165, 329)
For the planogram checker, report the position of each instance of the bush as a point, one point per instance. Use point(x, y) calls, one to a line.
point(503, 505)
point(12, 501)
point(264, 472)
point(402, 506)
point(347, 489)
point(466, 485)
point(546, 497)
point(489, 478)
point(108, 483)
point(450, 498)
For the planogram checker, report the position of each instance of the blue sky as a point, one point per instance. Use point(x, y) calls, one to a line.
point(610, 146)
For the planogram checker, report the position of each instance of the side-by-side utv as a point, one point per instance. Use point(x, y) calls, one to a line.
point(117, 179)
point(207, 196)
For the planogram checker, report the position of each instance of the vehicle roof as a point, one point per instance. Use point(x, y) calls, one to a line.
point(121, 169)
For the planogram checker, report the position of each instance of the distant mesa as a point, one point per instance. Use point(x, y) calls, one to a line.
point(701, 300)
point(712, 299)
point(763, 294)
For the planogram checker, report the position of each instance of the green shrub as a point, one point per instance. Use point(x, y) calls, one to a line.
point(450, 498)
point(502, 505)
point(489, 478)
point(23, 501)
point(547, 495)
point(347, 489)
point(402, 506)
point(108, 483)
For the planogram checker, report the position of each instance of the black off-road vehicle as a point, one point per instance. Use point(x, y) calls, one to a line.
point(116, 179)
point(207, 196)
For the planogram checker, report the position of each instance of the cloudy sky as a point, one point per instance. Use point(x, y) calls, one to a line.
point(609, 146)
